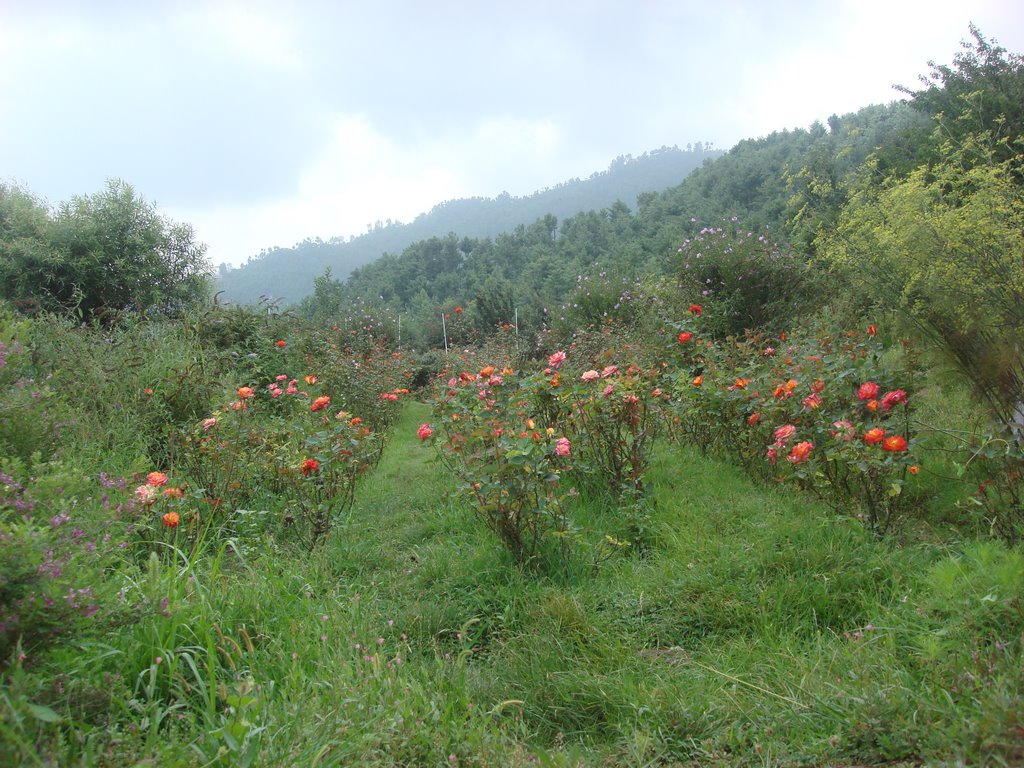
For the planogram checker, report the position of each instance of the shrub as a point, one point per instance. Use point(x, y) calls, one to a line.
point(509, 460)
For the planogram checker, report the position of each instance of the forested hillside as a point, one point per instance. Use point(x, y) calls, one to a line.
point(785, 186)
point(286, 274)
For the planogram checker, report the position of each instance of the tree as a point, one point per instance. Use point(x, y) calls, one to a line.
point(982, 93)
point(24, 241)
point(110, 251)
point(946, 247)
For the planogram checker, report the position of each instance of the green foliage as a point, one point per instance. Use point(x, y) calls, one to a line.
point(98, 254)
point(748, 282)
point(981, 93)
point(510, 464)
point(944, 247)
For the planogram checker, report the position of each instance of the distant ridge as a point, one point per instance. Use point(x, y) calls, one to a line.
point(286, 275)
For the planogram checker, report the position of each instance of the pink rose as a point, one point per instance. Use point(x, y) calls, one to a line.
point(562, 446)
point(784, 433)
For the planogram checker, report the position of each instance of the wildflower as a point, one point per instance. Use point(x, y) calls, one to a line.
point(868, 391)
point(697, 381)
point(282, 343)
point(891, 399)
point(739, 383)
point(871, 405)
point(696, 310)
point(801, 452)
point(171, 520)
point(772, 455)
point(609, 370)
point(684, 337)
point(281, 377)
point(608, 390)
point(149, 390)
point(555, 382)
point(487, 371)
point(458, 310)
point(173, 493)
point(872, 329)
point(355, 421)
point(424, 431)
point(590, 376)
point(914, 469)
point(753, 419)
point(894, 444)
point(562, 446)
point(768, 351)
point(656, 392)
point(818, 386)
point(145, 494)
point(156, 478)
point(556, 359)
point(311, 379)
point(246, 392)
point(874, 436)
point(309, 466)
point(320, 403)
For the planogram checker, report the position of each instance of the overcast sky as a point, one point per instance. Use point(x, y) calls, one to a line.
point(263, 123)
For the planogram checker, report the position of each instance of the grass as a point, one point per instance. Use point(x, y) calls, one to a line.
point(754, 628)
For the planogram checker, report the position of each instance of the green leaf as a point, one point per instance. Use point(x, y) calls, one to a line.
point(42, 713)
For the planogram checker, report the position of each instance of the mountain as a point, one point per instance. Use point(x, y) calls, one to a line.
point(787, 187)
point(286, 275)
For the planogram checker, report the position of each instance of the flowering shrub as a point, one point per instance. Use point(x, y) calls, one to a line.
point(321, 483)
point(745, 281)
point(509, 462)
point(287, 440)
point(614, 416)
point(362, 375)
point(54, 550)
point(812, 410)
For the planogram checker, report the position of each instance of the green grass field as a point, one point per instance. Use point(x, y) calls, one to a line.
point(751, 628)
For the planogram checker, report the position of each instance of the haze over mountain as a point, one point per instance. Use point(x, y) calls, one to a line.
point(286, 275)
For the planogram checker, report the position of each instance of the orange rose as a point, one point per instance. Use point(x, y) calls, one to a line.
point(894, 444)
point(874, 436)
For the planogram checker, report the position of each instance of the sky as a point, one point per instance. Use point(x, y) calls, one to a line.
point(266, 123)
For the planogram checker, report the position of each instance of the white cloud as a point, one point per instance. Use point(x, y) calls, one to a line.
point(256, 35)
point(361, 176)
